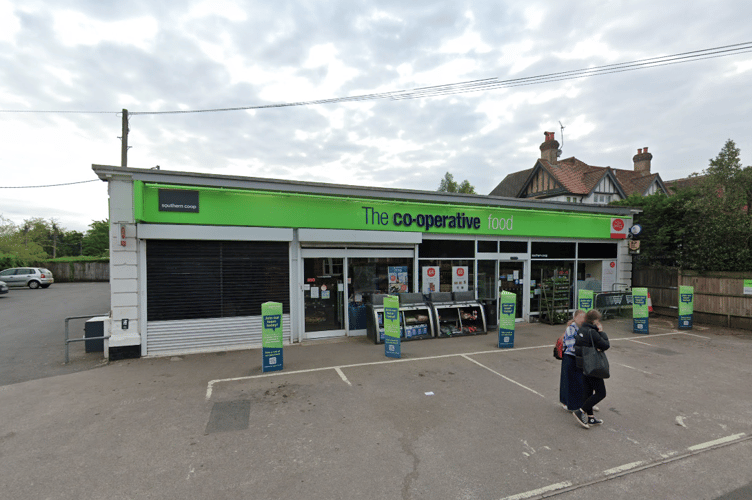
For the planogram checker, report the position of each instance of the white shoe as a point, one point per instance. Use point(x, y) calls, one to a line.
point(595, 408)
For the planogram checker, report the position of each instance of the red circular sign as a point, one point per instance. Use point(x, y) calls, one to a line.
point(431, 272)
point(460, 272)
point(618, 224)
point(613, 264)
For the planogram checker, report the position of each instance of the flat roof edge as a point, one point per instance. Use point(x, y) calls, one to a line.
point(108, 172)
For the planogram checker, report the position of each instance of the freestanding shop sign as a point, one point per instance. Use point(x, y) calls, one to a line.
point(585, 300)
point(507, 306)
point(640, 310)
point(391, 327)
point(686, 306)
point(271, 336)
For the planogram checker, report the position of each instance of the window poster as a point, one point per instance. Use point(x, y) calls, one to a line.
point(397, 279)
point(459, 278)
point(608, 275)
point(430, 279)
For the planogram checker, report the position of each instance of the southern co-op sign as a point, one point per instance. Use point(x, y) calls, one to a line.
point(172, 204)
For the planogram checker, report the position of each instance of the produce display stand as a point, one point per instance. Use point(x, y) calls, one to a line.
point(416, 318)
point(457, 314)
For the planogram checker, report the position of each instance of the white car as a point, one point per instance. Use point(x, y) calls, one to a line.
point(33, 277)
point(3, 287)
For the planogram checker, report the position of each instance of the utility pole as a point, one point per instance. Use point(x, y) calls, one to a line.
point(124, 141)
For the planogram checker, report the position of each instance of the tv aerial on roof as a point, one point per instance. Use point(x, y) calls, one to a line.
point(558, 151)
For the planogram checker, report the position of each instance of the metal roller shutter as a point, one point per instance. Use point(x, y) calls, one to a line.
point(207, 295)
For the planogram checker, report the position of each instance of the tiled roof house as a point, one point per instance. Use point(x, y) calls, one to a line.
point(572, 180)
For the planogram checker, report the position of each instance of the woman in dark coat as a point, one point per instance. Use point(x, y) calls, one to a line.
point(591, 333)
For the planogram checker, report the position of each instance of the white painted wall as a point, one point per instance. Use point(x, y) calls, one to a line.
point(124, 275)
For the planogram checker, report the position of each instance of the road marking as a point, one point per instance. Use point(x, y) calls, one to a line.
point(212, 383)
point(503, 376)
point(722, 440)
point(539, 491)
point(622, 468)
point(342, 375)
point(633, 368)
point(695, 335)
point(638, 342)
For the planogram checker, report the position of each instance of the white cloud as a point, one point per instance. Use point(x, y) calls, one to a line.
point(10, 26)
point(76, 28)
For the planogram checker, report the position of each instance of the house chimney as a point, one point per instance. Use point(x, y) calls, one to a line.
point(549, 148)
point(642, 161)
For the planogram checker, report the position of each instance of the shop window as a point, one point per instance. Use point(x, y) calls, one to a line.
point(543, 250)
point(597, 251)
point(513, 246)
point(488, 246)
point(440, 249)
point(451, 277)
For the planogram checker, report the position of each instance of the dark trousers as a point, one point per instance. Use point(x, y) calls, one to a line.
point(570, 385)
point(595, 392)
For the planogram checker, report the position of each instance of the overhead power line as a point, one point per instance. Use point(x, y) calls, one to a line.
point(473, 85)
point(48, 185)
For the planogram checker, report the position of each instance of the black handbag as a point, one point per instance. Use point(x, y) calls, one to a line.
point(594, 362)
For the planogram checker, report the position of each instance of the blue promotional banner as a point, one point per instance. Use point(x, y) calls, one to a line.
point(640, 310)
point(271, 336)
point(391, 327)
point(585, 300)
point(686, 307)
point(507, 306)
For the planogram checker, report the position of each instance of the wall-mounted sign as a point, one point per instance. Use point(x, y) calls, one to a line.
point(619, 228)
point(248, 207)
point(178, 200)
point(747, 287)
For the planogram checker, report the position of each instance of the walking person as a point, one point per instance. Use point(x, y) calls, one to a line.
point(570, 384)
point(590, 333)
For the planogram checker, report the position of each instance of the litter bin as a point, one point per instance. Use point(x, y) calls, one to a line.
point(94, 328)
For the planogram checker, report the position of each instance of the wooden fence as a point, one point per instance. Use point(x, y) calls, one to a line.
point(719, 297)
point(79, 271)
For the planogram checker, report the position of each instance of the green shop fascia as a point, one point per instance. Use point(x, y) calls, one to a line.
point(195, 256)
point(237, 207)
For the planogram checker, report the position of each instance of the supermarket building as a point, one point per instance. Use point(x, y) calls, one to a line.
point(193, 256)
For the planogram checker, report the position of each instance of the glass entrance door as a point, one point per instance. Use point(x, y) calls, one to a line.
point(511, 279)
point(323, 294)
point(488, 290)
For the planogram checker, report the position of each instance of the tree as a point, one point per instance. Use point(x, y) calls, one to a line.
point(449, 185)
point(15, 249)
point(708, 228)
point(96, 241)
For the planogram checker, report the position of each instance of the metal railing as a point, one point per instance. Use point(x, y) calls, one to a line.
point(82, 339)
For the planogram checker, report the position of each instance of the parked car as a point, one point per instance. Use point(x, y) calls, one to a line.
point(33, 277)
point(3, 287)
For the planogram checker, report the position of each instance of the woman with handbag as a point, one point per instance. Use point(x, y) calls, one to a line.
point(590, 342)
point(570, 382)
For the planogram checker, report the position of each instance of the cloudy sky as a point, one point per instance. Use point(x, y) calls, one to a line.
point(145, 55)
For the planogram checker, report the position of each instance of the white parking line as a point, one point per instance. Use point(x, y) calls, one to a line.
point(638, 342)
point(722, 440)
point(633, 368)
point(695, 335)
point(622, 468)
point(342, 375)
point(539, 491)
point(212, 383)
point(503, 376)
